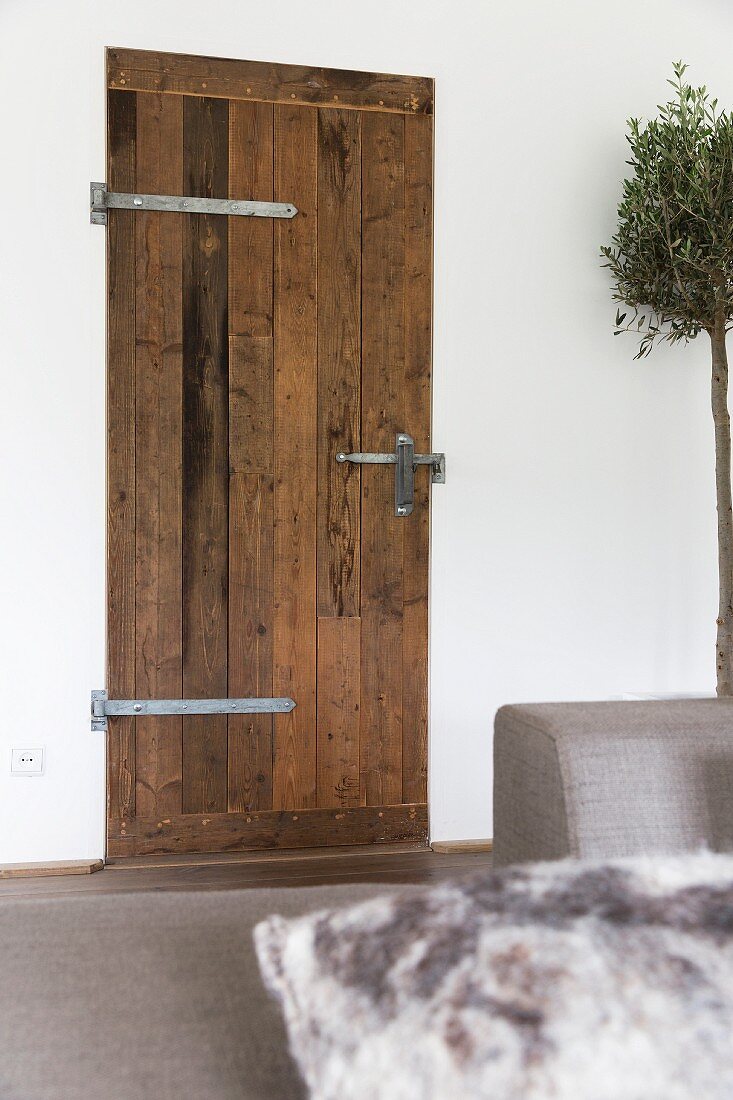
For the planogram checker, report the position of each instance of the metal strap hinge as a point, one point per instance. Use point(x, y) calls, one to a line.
point(102, 200)
point(406, 462)
point(103, 707)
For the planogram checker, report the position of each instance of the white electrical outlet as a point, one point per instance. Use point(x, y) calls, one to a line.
point(26, 761)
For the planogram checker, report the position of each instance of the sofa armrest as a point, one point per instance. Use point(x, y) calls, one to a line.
point(602, 780)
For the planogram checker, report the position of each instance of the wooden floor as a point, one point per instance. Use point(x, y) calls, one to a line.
point(242, 871)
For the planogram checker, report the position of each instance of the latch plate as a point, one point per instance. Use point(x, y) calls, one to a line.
point(99, 718)
point(103, 707)
point(102, 200)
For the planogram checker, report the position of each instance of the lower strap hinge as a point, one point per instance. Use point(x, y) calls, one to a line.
point(103, 707)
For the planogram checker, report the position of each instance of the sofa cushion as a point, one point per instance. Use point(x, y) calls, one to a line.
point(559, 980)
point(147, 996)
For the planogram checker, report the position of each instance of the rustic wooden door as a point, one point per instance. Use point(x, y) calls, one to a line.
point(243, 354)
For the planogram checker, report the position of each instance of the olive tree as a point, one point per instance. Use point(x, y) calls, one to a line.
point(671, 260)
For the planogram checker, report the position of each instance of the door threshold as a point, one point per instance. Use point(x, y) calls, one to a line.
point(50, 868)
point(461, 847)
point(280, 855)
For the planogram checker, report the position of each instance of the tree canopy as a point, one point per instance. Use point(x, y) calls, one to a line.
point(672, 255)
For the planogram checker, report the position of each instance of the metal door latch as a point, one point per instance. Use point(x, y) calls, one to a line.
point(405, 462)
point(102, 200)
point(104, 707)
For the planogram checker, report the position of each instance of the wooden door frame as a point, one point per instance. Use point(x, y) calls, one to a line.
point(132, 70)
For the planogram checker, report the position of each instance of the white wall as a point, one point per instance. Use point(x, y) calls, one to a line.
point(574, 544)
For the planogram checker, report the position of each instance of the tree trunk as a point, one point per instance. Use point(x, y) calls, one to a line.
point(721, 419)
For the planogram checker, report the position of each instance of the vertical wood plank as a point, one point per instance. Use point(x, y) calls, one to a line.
point(121, 114)
point(250, 565)
point(205, 454)
point(339, 358)
point(158, 370)
point(250, 638)
point(339, 645)
point(250, 403)
point(250, 456)
point(250, 239)
point(418, 369)
point(296, 336)
point(383, 415)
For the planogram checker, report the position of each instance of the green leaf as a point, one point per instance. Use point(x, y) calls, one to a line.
point(673, 247)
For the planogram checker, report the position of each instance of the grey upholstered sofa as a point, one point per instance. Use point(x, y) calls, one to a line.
point(607, 779)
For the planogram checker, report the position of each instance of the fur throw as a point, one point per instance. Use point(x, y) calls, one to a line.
point(570, 981)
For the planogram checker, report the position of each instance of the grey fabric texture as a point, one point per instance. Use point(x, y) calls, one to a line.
point(602, 780)
point(146, 996)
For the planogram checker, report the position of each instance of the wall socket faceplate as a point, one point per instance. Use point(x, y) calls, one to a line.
point(26, 761)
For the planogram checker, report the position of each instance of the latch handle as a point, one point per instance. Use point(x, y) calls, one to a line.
point(406, 461)
point(404, 476)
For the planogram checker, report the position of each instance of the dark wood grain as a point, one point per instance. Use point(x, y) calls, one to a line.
point(205, 455)
point(158, 369)
point(250, 637)
point(250, 403)
point(150, 71)
point(418, 376)
point(294, 778)
point(250, 455)
point(250, 239)
point(383, 415)
point(339, 359)
point(339, 656)
point(121, 133)
point(225, 832)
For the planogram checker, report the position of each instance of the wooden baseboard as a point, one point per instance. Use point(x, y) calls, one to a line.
point(268, 829)
point(454, 847)
point(53, 867)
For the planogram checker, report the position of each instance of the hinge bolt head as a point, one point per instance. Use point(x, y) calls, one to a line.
point(137, 707)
